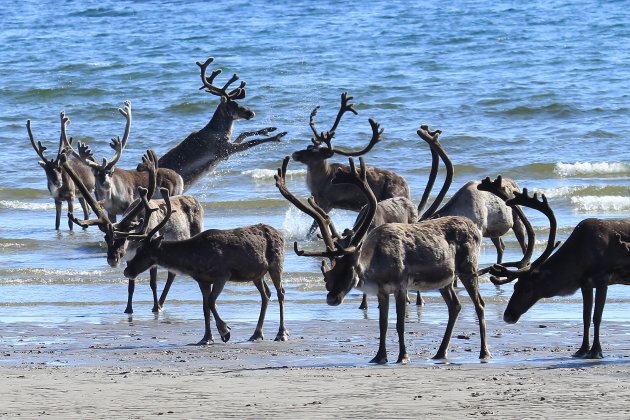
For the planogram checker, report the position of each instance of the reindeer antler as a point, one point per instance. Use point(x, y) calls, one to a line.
point(322, 219)
point(360, 180)
point(39, 147)
point(431, 137)
point(542, 205)
point(237, 93)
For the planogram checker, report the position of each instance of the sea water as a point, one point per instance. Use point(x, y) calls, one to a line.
point(535, 91)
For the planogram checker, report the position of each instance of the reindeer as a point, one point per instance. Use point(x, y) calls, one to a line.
point(214, 257)
point(116, 187)
point(187, 221)
point(394, 257)
point(594, 256)
point(60, 186)
point(402, 209)
point(203, 150)
point(385, 184)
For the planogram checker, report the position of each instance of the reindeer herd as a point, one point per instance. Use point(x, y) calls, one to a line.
point(394, 246)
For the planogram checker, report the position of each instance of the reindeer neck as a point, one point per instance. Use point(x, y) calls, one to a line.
point(169, 255)
point(316, 172)
point(220, 125)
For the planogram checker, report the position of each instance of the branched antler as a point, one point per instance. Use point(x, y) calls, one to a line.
point(237, 93)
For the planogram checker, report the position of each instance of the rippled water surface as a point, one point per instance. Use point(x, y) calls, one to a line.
point(535, 91)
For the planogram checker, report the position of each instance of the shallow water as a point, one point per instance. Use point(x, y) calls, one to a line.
point(536, 92)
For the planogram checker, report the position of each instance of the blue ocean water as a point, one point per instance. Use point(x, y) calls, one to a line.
point(536, 91)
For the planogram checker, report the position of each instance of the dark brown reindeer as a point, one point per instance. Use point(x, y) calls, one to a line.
point(186, 221)
point(394, 257)
point(60, 186)
point(214, 257)
point(385, 184)
point(203, 150)
point(594, 256)
point(116, 188)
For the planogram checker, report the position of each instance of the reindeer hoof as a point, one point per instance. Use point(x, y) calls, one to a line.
point(205, 342)
point(257, 336)
point(128, 310)
point(485, 355)
point(282, 336)
point(381, 360)
point(403, 359)
point(225, 337)
point(157, 309)
point(594, 355)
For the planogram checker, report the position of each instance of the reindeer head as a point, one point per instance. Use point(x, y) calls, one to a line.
point(148, 243)
point(228, 106)
point(52, 168)
point(104, 171)
point(322, 147)
point(344, 252)
point(530, 278)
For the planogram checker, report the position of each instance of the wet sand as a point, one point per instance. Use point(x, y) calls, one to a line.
point(146, 368)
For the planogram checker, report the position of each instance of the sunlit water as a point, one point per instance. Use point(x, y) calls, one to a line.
point(537, 92)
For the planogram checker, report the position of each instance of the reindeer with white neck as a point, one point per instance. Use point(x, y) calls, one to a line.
point(60, 186)
point(395, 257)
point(116, 188)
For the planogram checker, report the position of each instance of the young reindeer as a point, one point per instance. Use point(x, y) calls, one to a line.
point(385, 184)
point(395, 257)
point(203, 150)
point(60, 186)
point(214, 257)
point(594, 256)
point(186, 221)
point(116, 187)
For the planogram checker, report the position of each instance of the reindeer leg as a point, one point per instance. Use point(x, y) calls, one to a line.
point(167, 287)
point(383, 312)
point(71, 211)
point(58, 214)
point(131, 286)
point(587, 309)
point(264, 302)
point(276, 277)
point(600, 301)
point(205, 288)
point(472, 287)
point(86, 209)
point(364, 302)
point(500, 246)
point(224, 329)
point(448, 293)
point(401, 309)
point(419, 299)
point(153, 284)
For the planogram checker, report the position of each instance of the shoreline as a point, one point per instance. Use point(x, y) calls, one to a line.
point(145, 367)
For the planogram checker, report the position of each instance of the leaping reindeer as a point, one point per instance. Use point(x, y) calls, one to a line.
point(594, 256)
point(394, 257)
point(117, 187)
point(60, 186)
point(385, 184)
point(203, 150)
point(214, 257)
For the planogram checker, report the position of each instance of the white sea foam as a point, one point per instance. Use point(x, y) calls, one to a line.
point(559, 192)
point(296, 224)
point(587, 168)
point(269, 173)
point(607, 203)
point(21, 205)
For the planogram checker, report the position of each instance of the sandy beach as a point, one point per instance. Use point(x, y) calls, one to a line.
point(147, 368)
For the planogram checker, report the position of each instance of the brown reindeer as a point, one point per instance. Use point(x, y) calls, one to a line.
point(203, 150)
point(394, 257)
point(385, 184)
point(594, 256)
point(214, 257)
point(186, 221)
point(60, 186)
point(117, 187)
